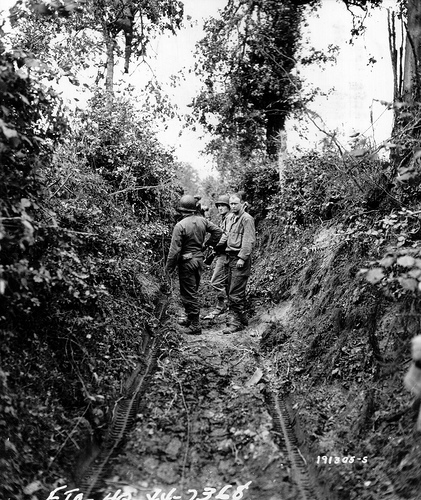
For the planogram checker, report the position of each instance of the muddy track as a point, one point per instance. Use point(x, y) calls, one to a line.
point(211, 420)
point(284, 420)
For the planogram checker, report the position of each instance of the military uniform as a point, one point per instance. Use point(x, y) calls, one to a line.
point(186, 253)
point(220, 272)
point(219, 276)
point(239, 239)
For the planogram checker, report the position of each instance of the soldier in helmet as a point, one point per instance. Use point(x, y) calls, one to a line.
point(220, 273)
point(186, 253)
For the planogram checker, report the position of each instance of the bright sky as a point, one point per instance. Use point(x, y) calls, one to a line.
point(356, 84)
point(175, 53)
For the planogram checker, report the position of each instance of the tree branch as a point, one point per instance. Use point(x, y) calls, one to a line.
point(138, 188)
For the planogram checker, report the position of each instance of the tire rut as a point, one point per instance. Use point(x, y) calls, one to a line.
point(282, 424)
point(213, 421)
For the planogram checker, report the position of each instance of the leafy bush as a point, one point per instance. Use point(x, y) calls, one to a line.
point(31, 123)
point(316, 186)
point(312, 188)
point(260, 182)
point(80, 271)
point(118, 142)
point(398, 270)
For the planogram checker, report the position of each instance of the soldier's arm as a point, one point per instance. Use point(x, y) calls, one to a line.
point(215, 233)
point(175, 249)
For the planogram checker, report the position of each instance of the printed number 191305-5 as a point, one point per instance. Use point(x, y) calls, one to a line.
point(207, 493)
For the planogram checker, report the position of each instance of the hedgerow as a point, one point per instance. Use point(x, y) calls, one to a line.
point(313, 188)
point(84, 229)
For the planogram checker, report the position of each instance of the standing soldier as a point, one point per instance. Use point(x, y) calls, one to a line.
point(186, 251)
point(239, 239)
point(220, 273)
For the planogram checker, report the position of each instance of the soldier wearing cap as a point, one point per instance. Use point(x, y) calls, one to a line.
point(238, 240)
point(220, 273)
point(186, 253)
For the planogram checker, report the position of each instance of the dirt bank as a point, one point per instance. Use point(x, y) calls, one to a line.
point(342, 349)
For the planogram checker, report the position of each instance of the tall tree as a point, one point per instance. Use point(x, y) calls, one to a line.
point(247, 59)
point(412, 66)
point(407, 128)
point(406, 66)
point(111, 28)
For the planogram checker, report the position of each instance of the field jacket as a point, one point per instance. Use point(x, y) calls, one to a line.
point(188, 238)
point(240, 235)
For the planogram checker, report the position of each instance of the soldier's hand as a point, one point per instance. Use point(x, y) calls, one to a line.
point(240, 263)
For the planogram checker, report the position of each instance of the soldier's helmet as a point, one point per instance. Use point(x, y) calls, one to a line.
point(187, 203)
point(223, 200)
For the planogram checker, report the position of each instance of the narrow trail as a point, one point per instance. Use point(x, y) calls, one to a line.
point(214, 425)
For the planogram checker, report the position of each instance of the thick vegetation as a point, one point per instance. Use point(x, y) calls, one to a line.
point(86, 199)
point(341, 247)
point(247, 58)
point(85, 215)
point(74, 35)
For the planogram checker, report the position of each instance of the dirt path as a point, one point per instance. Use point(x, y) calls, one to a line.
point(212, 427)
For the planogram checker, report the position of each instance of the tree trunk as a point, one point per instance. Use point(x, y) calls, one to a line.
point(411, 77)
point(282, 154)
point(109, 77)
point(274, 125)
point(407, 87)
point(395, 55)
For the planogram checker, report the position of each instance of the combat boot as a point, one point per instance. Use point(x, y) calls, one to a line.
point(194, 327)
point(219, 309)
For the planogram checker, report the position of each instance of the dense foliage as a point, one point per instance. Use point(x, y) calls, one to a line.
point(86, 209)
point(118, 142)
point(85, 219)
point(247, 61)
point(74, 35)
point(31, 123)
point(313, 187)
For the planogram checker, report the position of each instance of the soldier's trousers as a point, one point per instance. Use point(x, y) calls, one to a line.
point(220, 276)
point(189, 274)
point(237, 283)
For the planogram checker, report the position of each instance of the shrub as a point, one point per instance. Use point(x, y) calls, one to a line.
point(315, 187)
